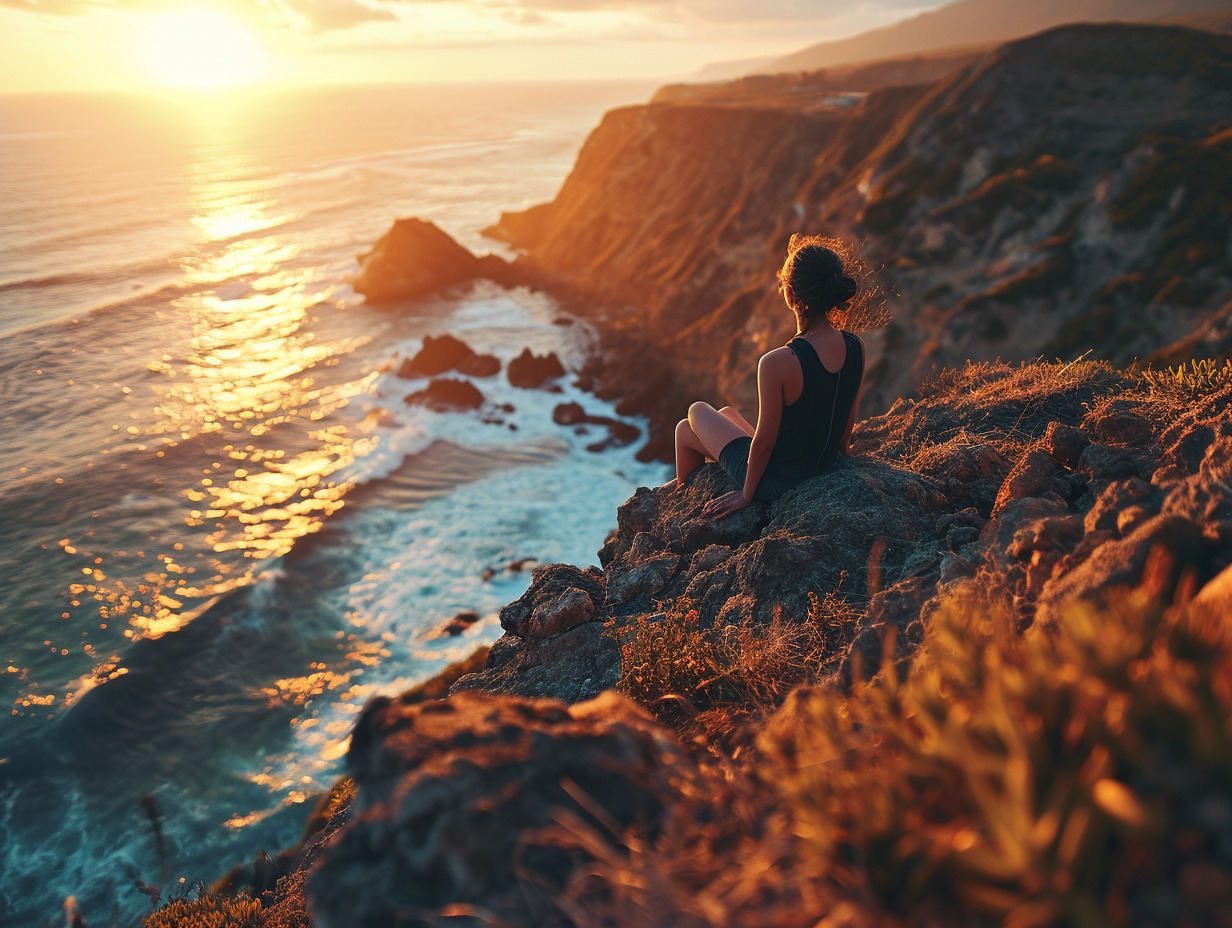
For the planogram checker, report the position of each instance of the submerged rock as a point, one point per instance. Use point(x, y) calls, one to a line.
point(446, 353)
point(446, 394)
point(529, 370)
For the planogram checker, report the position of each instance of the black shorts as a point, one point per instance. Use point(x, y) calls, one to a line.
point(734, 458)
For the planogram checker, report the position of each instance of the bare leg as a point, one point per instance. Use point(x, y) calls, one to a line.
point(732, 413)
point(712, 428)
point(690, 452)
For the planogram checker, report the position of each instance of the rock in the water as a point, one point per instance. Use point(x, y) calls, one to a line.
point(459, 623)
point(458, 804)
point(413, 259)
point(446, 394)
point(619, 433)
point(530, 370)
point(447, 353)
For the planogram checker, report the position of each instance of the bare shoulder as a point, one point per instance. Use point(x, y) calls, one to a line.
point(776, 362)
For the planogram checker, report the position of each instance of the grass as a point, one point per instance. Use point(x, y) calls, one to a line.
point(1030, 779)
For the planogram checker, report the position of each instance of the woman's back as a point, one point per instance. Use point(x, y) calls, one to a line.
point(811, 430)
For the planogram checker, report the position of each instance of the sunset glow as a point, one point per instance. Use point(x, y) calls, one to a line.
point(200, 49)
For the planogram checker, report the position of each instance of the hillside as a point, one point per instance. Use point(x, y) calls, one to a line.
point(981, 24)
point(1067, 193)
point(1031, 567)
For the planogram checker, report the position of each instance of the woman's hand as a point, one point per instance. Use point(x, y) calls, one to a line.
point(725, 505)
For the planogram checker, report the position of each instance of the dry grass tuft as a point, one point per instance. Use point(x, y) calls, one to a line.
point(1035, 779)
point(210, 911)
point(1181, 384)
point(678, 669)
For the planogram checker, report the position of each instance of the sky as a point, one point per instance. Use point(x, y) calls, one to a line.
point(70, 45)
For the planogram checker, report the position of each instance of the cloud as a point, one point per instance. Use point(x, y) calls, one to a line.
point(729, 11)
point(327, 15)
point(312, 15)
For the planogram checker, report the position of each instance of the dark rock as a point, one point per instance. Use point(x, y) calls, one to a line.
point(576, 665)
point(1116, 496)
point(1030, 477)
point(546, 602)
point(961, 535)
point(458, 803)
point(459, 623)
point(1206, 497)
point(619, 433)
point(709, 558)
point(565, 611)
point(446, 394)
point(1104, 462)
point(1119, 563)
point(1066, 443)
point(530, 370)
point(1121, 427)
point(447, 353)
point(646, 579)
point(413, 259)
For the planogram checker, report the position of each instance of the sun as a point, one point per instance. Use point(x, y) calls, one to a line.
point(200, 49)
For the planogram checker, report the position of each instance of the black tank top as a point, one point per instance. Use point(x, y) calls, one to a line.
point(811, 429)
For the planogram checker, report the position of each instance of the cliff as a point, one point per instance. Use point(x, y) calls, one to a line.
point(978, 674)
point(1066, 192)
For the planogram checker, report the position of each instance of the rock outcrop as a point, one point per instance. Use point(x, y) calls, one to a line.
point(463, 805)
point(415, 259)
point(440, 354)
point(1043, 487)
point(1060, 482)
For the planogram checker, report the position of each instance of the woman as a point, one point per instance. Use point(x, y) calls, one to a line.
point(807, 392)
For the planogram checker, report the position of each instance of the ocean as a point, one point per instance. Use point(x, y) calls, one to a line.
point(221, 528)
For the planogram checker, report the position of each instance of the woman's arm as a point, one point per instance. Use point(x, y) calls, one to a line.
point(770, 380)
point(851, 422)
point(845, 442)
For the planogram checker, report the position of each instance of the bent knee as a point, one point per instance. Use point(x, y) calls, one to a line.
point(700, 408)
point(683, 427)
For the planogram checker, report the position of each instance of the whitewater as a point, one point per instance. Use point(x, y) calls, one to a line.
point(223, 530)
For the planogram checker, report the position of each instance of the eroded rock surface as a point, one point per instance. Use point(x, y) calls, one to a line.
point(462, 804)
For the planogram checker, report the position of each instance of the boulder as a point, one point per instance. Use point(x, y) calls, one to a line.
point(459, 803)
point(556, 599)
point(446, 353)
point(529, 370)
point(447, 394)
point(413, 259)
point(1119, 563)
point(1065, 443)
point(1030, 477)
point(573, 666)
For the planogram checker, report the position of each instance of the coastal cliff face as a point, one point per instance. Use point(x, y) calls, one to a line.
point(1066, 192)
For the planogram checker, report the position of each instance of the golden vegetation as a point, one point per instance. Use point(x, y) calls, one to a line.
point(210, 911)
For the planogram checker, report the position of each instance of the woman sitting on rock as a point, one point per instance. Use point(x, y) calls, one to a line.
point(806, 391)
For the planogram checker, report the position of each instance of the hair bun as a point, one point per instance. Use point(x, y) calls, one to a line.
point(847, 288)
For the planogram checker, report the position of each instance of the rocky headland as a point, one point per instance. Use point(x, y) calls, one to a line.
point(977, 673)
